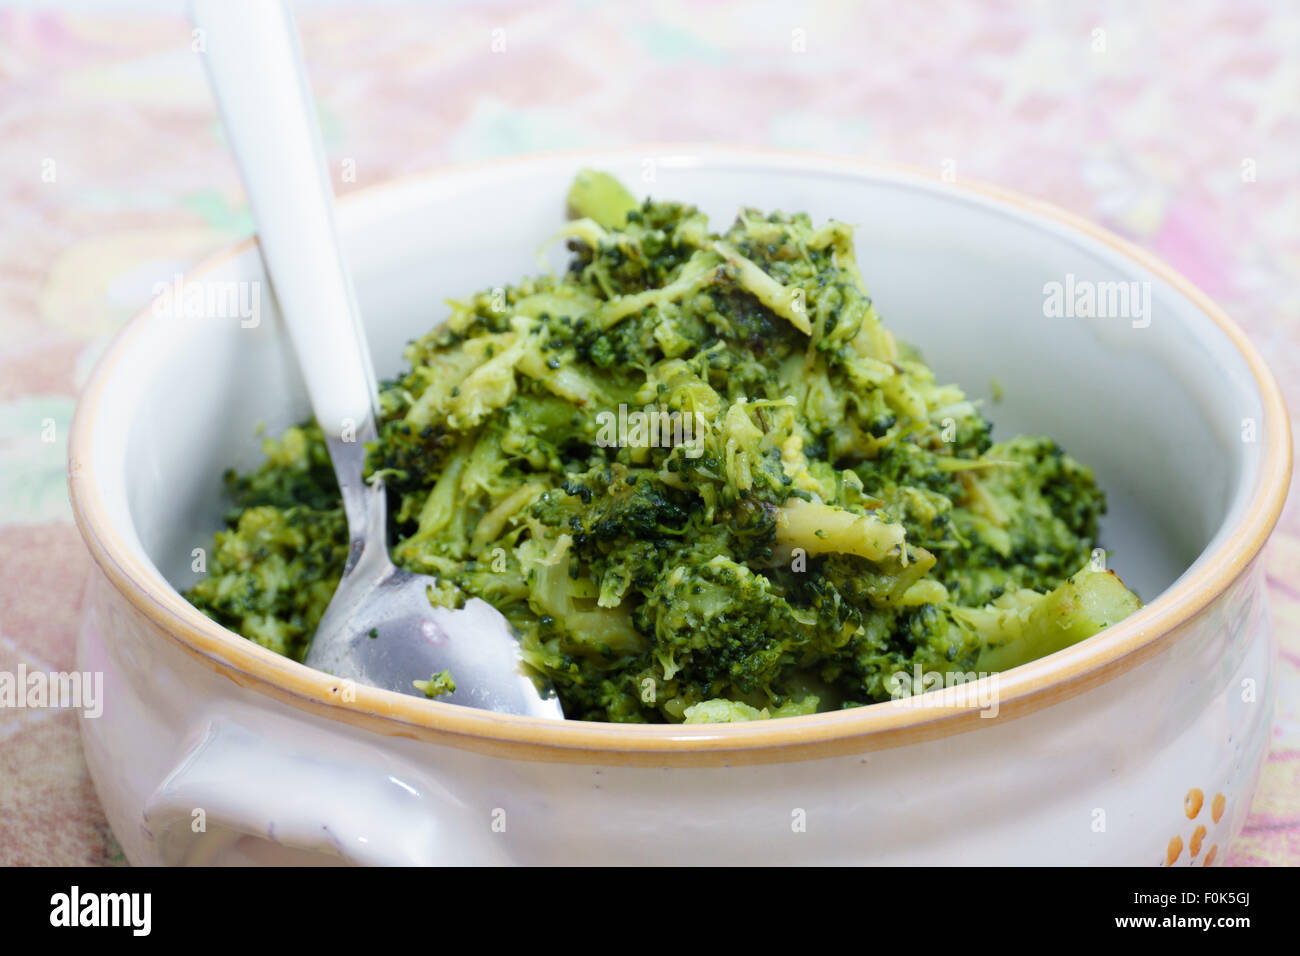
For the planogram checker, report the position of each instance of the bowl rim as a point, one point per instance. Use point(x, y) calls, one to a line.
point(1020, 691)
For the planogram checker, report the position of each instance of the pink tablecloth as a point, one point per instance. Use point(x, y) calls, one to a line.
point(1175, 124)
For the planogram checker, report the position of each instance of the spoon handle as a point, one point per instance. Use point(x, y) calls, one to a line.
point(256, 69)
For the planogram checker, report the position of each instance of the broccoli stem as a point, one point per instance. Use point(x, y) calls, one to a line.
point(1081, 607)
point(600, 197)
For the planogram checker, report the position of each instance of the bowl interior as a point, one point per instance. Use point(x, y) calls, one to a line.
point(1165, 411)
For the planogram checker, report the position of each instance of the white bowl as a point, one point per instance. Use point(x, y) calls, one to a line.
point(1097, 753)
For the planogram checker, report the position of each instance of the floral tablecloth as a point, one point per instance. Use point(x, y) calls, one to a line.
point(1176, 124)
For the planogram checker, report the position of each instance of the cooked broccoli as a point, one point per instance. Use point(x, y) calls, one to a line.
point(437, 685)
point(273, 571)
point(699, 477)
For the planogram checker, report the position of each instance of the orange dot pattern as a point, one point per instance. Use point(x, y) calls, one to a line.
point(1192, 805)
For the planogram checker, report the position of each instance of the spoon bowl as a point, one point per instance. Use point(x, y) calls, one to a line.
point(381, 628)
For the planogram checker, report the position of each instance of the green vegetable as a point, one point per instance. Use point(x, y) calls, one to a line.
point(601, 198)
point(272, 573)
point(699, 477)
point(1024, 626)
point(437, 685)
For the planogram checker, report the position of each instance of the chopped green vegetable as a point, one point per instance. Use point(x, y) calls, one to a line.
point(1023, 626)
point(699, 477)
point(601, 198)
point(437, 685)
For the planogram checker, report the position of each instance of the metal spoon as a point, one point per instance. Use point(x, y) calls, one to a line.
point(380, 628)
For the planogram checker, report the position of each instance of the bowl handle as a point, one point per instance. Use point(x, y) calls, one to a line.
point(236, 782)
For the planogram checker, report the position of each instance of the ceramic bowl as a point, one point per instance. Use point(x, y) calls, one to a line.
point(1141, 745)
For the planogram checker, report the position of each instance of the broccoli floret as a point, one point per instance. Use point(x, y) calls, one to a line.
point(297, 473)
point(1029, 521)
point(271, 576)
point(720, 627)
